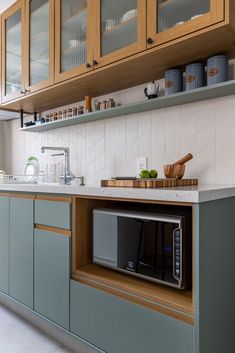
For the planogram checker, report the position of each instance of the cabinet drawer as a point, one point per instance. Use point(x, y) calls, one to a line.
point(121, 326)
point(53, 213)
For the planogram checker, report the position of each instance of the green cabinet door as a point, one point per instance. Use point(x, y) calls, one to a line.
point(4, 244)
point(21, 250)
point(116, 325)
point(52, 276)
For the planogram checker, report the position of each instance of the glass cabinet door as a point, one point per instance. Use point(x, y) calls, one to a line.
point(168, 19)
point(40, 46)
point(12, 80)
point(121, 29)
point(73, 53)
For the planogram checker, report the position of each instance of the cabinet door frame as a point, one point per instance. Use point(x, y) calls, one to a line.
point(62, 76)
point(50, 80)
point(19, 5)
point(216, 14)
point(127, 51)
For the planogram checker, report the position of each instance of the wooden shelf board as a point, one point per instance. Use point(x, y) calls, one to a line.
point(170, 301)
point(200, 94)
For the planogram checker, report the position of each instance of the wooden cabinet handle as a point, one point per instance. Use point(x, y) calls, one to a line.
point(88, 65)
point(150, 40)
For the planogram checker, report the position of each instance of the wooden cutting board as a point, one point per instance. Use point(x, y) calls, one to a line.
point(149, 183)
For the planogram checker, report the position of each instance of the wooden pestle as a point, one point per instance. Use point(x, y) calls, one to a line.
point(184, 159)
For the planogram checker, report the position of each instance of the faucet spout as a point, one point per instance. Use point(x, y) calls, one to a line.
point(67, 176)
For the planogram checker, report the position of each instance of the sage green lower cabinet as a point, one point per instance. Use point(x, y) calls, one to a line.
point(214, 276)
point(21, 250)
point(52, 276)
point(4, 244)
point(116, 325)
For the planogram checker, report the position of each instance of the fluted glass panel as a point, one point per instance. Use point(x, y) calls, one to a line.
point(119, 24)
point(13, 53)
point(39, 41)
point(73, 34)
point(172, 13)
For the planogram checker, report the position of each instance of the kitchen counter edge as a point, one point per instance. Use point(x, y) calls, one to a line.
point(191, 194)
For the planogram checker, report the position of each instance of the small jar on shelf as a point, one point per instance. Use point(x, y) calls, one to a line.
point(111, 103)
point(55, 115)
point(104, 105)
point(97, 106)
point(60, 115)
point(75, 111)
point(65, 114)
point(80, 110)
point(70, 113)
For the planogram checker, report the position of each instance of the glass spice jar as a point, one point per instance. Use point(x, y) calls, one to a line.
point(75, 111)
point(64, 113)
point(70, 113)
point(51, 116)
point(97, 106)
point(111, 103)
point(47, 118)
point(60, 115)
point(55, 115)
point(103, 105)
point(80, 110)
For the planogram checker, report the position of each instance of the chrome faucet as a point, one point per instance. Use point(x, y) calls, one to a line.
point(67, 177)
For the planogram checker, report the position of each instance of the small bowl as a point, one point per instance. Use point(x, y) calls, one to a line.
point(179, 170)
point(175, 171)
point(168, 170)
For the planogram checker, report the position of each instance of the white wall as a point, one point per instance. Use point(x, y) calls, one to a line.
point(110, 147)
point(4, 4)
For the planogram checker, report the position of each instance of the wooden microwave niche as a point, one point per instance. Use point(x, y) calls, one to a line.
point(166, 300)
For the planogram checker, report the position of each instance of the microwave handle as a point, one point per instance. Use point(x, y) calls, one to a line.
point(177, 232)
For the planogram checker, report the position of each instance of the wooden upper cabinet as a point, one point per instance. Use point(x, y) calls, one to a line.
point(39, 44)
point(120, 29)
point(171, 19)
point(73, 39)
point(12, 52)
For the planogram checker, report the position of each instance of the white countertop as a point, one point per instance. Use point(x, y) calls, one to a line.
point(189, 194)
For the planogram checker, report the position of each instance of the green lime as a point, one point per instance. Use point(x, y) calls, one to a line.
point(153, 173)
point(144, 174)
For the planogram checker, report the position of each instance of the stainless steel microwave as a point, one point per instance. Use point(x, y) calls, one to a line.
point(155, 247)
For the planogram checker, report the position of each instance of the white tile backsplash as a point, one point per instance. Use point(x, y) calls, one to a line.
point(110, 147)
